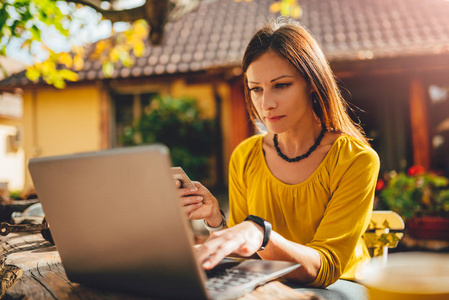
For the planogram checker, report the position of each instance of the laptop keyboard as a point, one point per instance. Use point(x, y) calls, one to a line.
point(224, 279)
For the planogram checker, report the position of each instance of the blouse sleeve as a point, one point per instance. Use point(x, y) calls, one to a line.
point(347, 215)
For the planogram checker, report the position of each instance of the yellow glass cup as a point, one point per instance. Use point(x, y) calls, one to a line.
point(408, 275)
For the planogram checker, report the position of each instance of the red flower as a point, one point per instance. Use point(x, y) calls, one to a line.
point(380, 184)
point(416, 170)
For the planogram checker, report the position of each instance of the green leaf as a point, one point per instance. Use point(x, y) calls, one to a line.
point(36, 33)
point(4, 15)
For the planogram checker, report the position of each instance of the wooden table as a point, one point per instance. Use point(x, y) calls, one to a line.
point(31, 268)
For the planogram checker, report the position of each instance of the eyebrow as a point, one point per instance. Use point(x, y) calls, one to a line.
point(273, 80)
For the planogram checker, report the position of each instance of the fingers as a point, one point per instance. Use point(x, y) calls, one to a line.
point(198, 185)
point(178, 183)
point(198, 203)
point(188, 200)
point(212, 252)
point(243, 239)
point(190, 209)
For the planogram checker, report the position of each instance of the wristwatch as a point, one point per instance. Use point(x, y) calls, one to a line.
point(266, 228)
point(220, 227)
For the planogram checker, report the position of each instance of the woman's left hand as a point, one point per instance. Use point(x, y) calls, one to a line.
point(200, 204)
point(243, 239)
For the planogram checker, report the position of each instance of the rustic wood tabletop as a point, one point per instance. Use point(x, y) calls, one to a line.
point(30, 268)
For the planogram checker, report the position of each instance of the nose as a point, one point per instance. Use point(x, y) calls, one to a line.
point(268, 102)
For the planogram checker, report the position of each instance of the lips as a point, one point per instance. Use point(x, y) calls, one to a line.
point(274, 118)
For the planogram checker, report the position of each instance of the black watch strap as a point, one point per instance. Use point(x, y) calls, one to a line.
point(266, 228)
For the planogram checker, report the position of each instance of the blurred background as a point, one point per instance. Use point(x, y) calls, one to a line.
point(89, 75)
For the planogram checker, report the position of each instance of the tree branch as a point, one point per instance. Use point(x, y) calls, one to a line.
point(126, 15)
point(155, 12)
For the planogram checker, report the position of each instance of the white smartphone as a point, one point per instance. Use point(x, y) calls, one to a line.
point(179, 174)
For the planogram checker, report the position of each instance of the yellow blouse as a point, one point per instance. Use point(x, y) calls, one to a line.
point(328, 212)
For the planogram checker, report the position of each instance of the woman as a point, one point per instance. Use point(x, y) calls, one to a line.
point(312, 176)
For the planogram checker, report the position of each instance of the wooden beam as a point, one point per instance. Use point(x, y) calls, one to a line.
point(419, 118)
point(105, 116)
point(137, 108)
point(240, 122)
point(391, 66)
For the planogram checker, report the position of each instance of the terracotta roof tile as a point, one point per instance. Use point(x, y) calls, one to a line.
point(215, 35)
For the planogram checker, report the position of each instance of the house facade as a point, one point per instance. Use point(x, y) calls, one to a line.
point(12, 162)
point(391, 58)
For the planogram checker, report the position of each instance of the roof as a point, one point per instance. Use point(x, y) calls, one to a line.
point(215, 35)
point(10, 66)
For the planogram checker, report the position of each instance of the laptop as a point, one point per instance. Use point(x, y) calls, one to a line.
point(117, 223)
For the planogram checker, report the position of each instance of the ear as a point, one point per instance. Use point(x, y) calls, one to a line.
point(311, 90)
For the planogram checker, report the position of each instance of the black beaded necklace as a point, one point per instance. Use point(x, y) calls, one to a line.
point(298, 158)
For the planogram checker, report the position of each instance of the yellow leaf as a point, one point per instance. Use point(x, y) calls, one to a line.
point(140, 29)
point(47, 67)
point(114, 55)
point(139, 49)
point(275, 7)
point(285, 8)
point(77, 50)
point(426, 197)
point(69, 75)
point(101, 45)
point(66, 59)
point(297, 12)
point(59, 83)
point(108, 69)
point(26, 45)
point(32, 74)
point(126, 59)
point(78, 61)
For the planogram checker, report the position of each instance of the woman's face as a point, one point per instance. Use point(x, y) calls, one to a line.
point(279, 93)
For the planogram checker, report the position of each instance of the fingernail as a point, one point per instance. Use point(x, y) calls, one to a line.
point(199, 198)
point(193, 190)
point(206, 264)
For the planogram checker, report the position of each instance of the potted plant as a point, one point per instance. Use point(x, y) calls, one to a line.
point(178, 124)
point(421, 198)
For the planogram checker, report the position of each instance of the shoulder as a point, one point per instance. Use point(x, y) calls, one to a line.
point(352, 162)
point(348, 150)
point(247, 146)
point(244, 155)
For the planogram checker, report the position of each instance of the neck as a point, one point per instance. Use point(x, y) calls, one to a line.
point(296, 143)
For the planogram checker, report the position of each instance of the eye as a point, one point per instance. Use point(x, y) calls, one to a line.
point(255, 89)
point(281, 86)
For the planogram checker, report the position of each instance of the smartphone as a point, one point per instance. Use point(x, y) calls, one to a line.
point(179, 174)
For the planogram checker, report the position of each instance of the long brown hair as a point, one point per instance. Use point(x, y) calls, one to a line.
point(294, 43)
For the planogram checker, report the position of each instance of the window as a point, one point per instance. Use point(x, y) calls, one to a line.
point(127, 110)
point(439, 116)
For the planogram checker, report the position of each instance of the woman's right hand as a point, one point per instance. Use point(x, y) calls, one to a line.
point(244, 239)
point(200, 204)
